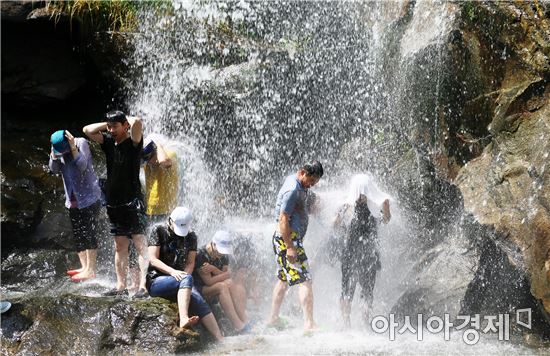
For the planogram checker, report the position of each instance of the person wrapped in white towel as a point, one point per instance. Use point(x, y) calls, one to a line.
point(357, 224)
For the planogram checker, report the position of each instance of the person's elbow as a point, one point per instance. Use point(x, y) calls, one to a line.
point(166, 162)
point(86, 130)
point(283, 223)
point(54, 167)
point(135, 122)
point(81, 164)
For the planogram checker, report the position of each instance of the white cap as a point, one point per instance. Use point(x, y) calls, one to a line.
point(223, 240)
point(181, 217)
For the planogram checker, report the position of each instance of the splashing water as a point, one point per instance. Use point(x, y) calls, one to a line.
point(248, 91)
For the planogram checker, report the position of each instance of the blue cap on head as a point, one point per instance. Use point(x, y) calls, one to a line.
point(59, 142)
point(148, 151)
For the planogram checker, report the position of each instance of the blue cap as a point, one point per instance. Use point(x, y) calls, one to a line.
point(59, 142)
point(148, 151)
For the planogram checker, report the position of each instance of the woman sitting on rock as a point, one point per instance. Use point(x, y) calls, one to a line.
point(213, 280)
point(172, 258)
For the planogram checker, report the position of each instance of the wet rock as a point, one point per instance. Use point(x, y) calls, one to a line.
point(507, 188)
point(14, 325)
point(30, 193)
point(25, 271)
point(439, 278)
point(60, 63)
point(476, 144)
point(490, 137)
point(487, 295)
point(71, 323)
point(34, 80)
point(17, 11)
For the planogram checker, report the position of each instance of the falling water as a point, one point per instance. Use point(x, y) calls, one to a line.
point(247, 91)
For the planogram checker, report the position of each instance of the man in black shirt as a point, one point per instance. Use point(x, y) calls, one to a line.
point(121, 140)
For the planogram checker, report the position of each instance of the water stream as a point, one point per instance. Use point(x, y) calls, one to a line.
point(248, 90)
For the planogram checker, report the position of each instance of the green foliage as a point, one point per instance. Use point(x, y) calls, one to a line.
point(469, 11)
point(99, 15)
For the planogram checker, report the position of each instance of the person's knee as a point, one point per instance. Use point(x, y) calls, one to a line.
point(186, 282)
point(199, 305)
point(140, 243)
point(221, 288)
point(121, 245)
point(240, 275)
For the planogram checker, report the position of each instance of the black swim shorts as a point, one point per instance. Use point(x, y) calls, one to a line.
point(127, 219)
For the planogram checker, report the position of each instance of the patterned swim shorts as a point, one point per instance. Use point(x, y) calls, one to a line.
point(293, 273)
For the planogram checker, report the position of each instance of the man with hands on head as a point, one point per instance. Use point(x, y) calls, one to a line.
point(121, 140)
point(72, 158)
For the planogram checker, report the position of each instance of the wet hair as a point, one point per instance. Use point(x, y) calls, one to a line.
point(115, 116)
point(313, 169)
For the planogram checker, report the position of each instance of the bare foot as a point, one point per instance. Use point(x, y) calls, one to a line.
point(84, 275)
point(190, 322)
point(310, 327)
point(278, 324)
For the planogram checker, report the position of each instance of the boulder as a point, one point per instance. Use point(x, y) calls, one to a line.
point(45, 71)
point(18, 11)
point(70, 323)
point(29, 270)
point(507, 187)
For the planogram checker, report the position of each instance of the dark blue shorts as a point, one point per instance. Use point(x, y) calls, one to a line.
point(168, 287)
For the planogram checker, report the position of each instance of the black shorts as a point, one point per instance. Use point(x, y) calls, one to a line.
point(360, 264)
point(127, 219)
point(86, 226)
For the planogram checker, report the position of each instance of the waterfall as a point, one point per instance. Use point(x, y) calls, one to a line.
point(250, 90)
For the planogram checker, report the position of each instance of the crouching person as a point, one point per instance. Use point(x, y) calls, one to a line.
point(172, 258)
point(213, 280)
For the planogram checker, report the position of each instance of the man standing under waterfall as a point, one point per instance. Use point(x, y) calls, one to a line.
point(121, 140)
point(72, 158)
point(291, 212)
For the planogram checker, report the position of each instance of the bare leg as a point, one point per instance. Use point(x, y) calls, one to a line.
point(184, 294)
point(277, 299)
point(89, 271)
point(141, 246)
point(133, 267)
point(92, 259)
point(121, 261)
point(238, 295)
point(209, 322)
point(306, 299)
point(345, 306)
point(83, 260)
point(221, 289)
point(135, 278)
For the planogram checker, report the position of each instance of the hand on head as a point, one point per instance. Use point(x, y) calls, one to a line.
point(70, 139)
